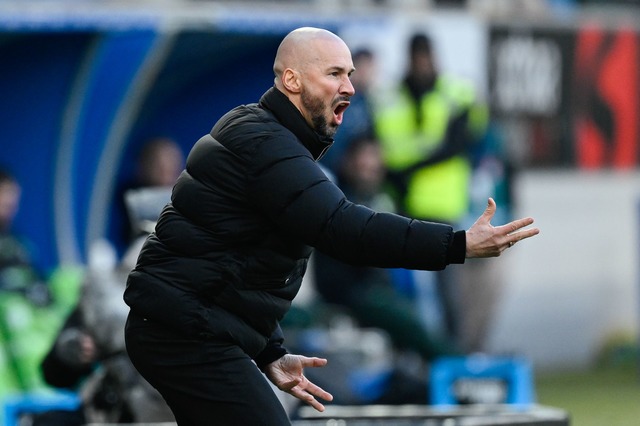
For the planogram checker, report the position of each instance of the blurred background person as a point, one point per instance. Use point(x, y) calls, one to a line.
point(369, 294)
point(88, 355)
point(28, 317)
point(72, 358)
point(429, 126)
point(159, 163)
point(18, 273)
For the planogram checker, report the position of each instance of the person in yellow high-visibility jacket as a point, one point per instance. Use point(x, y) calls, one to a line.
point(429, 127)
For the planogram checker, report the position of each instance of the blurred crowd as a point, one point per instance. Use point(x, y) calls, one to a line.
point(426, 148)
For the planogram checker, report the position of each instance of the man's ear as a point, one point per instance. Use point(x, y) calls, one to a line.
point(291, 80)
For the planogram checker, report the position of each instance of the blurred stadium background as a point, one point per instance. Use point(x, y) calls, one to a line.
point(84, 83)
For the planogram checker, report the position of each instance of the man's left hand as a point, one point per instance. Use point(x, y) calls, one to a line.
point(287, 373)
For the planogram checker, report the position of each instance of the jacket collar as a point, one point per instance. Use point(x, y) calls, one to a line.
point(291, 118)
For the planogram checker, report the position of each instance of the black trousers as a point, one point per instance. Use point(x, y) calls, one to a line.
point(204, 382)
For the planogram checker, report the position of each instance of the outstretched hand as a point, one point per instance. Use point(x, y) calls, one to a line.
point(485, 240)
point(287, 373)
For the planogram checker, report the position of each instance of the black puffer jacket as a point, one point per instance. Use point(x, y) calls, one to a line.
point(229, 252)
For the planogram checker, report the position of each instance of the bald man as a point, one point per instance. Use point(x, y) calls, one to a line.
point(229, 252)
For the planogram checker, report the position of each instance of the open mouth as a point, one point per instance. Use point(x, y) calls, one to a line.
point(339, 111)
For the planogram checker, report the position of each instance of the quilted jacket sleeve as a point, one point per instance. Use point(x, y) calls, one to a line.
point(290, 189)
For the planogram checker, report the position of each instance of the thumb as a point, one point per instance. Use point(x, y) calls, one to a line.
point(490, 211)
point(313, 362)
point(287, 386)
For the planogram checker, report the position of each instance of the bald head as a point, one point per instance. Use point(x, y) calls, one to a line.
point(305, 47)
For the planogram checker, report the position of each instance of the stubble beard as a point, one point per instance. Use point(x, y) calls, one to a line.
point(316, 109)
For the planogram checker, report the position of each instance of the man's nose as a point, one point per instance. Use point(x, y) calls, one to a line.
point(347, 88)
